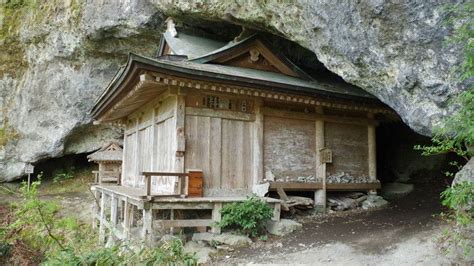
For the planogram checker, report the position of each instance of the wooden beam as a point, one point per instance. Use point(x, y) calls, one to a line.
point(186, 223)
point(301, 186)
point(317, 116)
point(195, 111)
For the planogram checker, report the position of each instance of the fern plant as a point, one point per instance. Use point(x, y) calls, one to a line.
point(249, 216)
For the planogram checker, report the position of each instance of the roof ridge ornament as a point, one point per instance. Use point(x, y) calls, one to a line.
point(171, 27)
point(244, 33)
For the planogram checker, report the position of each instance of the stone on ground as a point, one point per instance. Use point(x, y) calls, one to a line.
point(170, 238)
point(282, 227)
point(374, 201)
point(466, 173)
point(201, 251)
point(396, 190)
point(224, 238)
point(261, 189)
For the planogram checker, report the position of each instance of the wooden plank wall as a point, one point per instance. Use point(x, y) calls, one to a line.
point(289, 147)
point(148, 145)
point(222, 148)
point(349, 147)
point(128, 168)
point(222, 143)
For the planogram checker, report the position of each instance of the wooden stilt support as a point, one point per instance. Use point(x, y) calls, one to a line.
point(147, 231)
point(102, 219)
point(127, 217)
point(113, 219)
point(95, 209)
point(216, 217)
point(172, 218)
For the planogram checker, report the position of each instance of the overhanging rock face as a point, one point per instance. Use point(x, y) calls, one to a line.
point(66, 57)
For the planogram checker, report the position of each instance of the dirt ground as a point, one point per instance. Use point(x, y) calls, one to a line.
point(405, 233)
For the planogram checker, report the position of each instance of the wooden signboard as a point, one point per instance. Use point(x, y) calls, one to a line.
point(326, 155)
point(29, 168)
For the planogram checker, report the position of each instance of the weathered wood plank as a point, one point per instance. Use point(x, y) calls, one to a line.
point(215, 154)
point(289, 147)
point(349, 148)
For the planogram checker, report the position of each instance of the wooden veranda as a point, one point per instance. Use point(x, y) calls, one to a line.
point(136, 215)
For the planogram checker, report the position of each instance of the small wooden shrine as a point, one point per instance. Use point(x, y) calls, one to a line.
point(109, 159)
point(240, 112)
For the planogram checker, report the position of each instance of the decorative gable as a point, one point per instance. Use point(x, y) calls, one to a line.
point(256, 55)
point(253, 53)
point(112, 147)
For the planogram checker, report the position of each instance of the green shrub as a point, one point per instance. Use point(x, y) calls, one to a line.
point(248, 216)
point(60, 176)
point(63, 241)
point(460, 199)
point(168, 254)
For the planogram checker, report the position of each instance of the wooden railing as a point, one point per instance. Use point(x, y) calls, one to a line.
point(182, 192)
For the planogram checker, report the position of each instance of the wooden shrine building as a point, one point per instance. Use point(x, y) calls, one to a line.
point(239, 112)
point(109, 159)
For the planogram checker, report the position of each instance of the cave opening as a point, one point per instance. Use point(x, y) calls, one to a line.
point(73, 168)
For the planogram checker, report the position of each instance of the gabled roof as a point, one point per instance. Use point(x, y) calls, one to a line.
point(245, 61)
point(192, 46)
point(271, 81)
point(111, 152)
point(252, 43)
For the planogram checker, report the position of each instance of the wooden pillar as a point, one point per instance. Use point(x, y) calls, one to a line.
point(180, 135)
point(95, 208)
point(153, 140)
point(171, 219)
point(125, 150)
point(137, 156)
point(127, 218)
point(102, 219)
point(114, 211)
point(216, 217)
point(372, 151)
point(147, 231)
point(258, 143)
point(320, 194)
point(113, 219)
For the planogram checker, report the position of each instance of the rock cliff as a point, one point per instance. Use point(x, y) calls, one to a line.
point(57, 56)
